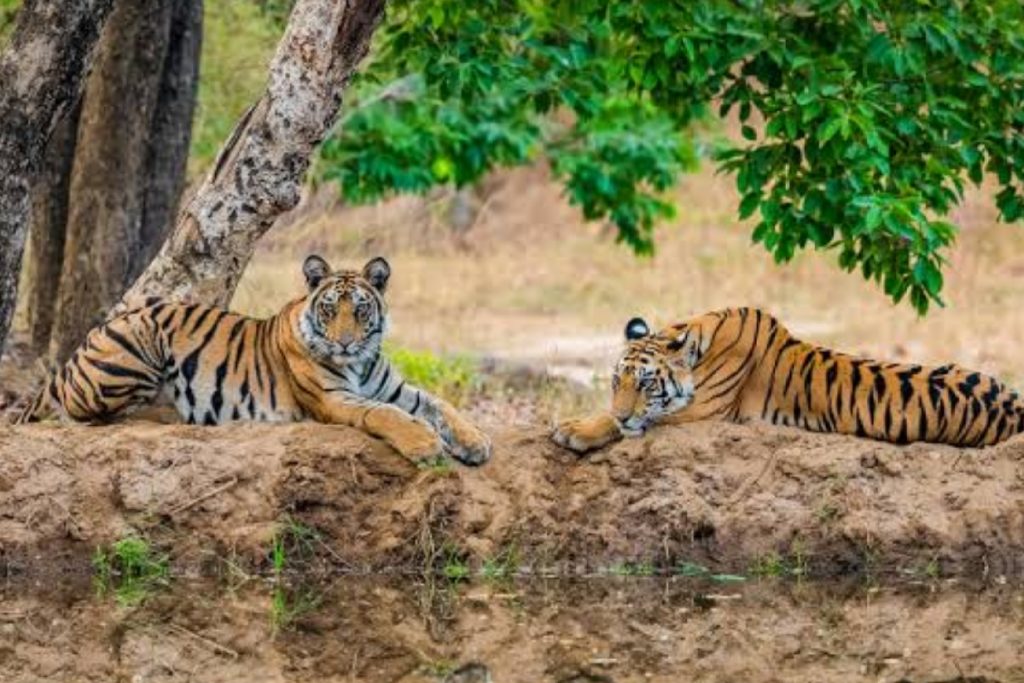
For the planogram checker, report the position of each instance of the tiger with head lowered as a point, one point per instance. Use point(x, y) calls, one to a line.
point(741, 364)
point(319, 357)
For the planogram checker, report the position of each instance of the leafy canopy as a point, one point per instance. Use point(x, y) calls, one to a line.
point(872, 113)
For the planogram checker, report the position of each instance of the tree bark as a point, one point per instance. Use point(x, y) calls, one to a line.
point(115, 159)
point(49, 221)
point(258, 173)
point(42, 71)
point(50, 194)
point(171, 130)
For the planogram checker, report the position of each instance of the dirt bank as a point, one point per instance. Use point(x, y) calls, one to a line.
point(730, 497)
point(590, 631)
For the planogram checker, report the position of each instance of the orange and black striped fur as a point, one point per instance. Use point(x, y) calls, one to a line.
point(742, 364)
point(319, 357)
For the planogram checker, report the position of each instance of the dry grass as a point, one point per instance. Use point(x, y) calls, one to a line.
point(532, 282)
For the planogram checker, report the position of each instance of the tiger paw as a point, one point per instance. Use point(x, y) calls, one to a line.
point(470, 446)
point(417, 442)
point(586, 433)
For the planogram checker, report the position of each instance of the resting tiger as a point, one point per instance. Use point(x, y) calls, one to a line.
point(319, 357)
point(742, 364)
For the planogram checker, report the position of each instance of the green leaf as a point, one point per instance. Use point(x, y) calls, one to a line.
point(749, 205)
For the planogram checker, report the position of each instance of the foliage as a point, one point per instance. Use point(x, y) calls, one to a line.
point(287, 606)
point(455, 567)
point(131, 567)
point(862, 119)
point(450, 378)
point(501, 567)
point(8, 12)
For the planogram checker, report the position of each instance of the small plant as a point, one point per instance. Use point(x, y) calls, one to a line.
point(502, 566)
point(774, 565)
point(439, 465)
point(451, 378)
point(455, 570)
point(632, 569)
point(932, 569)
point(278, 555)
point(799, 567)
point(827, 513)
point(285, 609)
point(292, 539)
point(131, 568)
point(455, 567)
point(770, 565)
point(440, 668)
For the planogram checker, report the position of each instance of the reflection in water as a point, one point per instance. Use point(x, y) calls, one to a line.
point(473, 672)
point(582, 631)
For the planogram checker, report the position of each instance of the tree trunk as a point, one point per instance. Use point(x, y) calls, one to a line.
point(42, 71)
point(49, 222)
point(170, 130)
point(110, 180)
point(258, 173)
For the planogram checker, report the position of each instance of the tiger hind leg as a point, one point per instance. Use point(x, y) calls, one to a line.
point(118, 368)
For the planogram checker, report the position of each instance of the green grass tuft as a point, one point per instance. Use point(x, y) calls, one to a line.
point(131, 568)
point(293, 541)
point(287, 607)
point(502, 566)
point(632, 569)
point(451, 378)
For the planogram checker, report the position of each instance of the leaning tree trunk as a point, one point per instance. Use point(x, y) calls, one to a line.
point(42, 71)
point(258, 173)
point(46, 237)
point(126, 177)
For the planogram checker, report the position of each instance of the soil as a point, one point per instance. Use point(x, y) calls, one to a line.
point(737, 498)
point(538, 631)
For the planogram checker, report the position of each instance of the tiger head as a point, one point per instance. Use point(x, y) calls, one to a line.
point(653, 378)
point(345, 316)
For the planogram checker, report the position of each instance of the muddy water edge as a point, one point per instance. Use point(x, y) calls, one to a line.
point(581, 630)
point(308, 553)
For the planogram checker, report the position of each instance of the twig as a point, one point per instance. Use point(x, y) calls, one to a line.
point(223, 649)
point(208, 494)
point(751, 482)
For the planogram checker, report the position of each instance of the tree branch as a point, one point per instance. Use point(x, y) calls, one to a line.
point(259, 172)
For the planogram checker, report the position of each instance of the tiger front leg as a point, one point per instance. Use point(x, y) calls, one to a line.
point(410, 436)
point(584, 434)
point(465, 441)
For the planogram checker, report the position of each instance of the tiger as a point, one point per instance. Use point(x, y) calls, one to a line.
point(318, 358)
point(742, 364)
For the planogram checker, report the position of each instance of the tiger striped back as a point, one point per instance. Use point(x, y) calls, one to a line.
point(742, 364)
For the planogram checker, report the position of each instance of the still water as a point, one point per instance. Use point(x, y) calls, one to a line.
point(599, 630)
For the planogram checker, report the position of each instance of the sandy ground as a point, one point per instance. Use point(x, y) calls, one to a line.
point(593, 631)
point(730, 497)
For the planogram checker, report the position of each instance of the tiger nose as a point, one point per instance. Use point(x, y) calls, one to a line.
point(346, 338)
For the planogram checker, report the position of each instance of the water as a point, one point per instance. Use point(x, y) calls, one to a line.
point(598, 630)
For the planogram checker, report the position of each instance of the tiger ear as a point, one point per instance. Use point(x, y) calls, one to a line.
point(637, 328)
point(377, 271)
point(315, 269)
point(686, 349)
